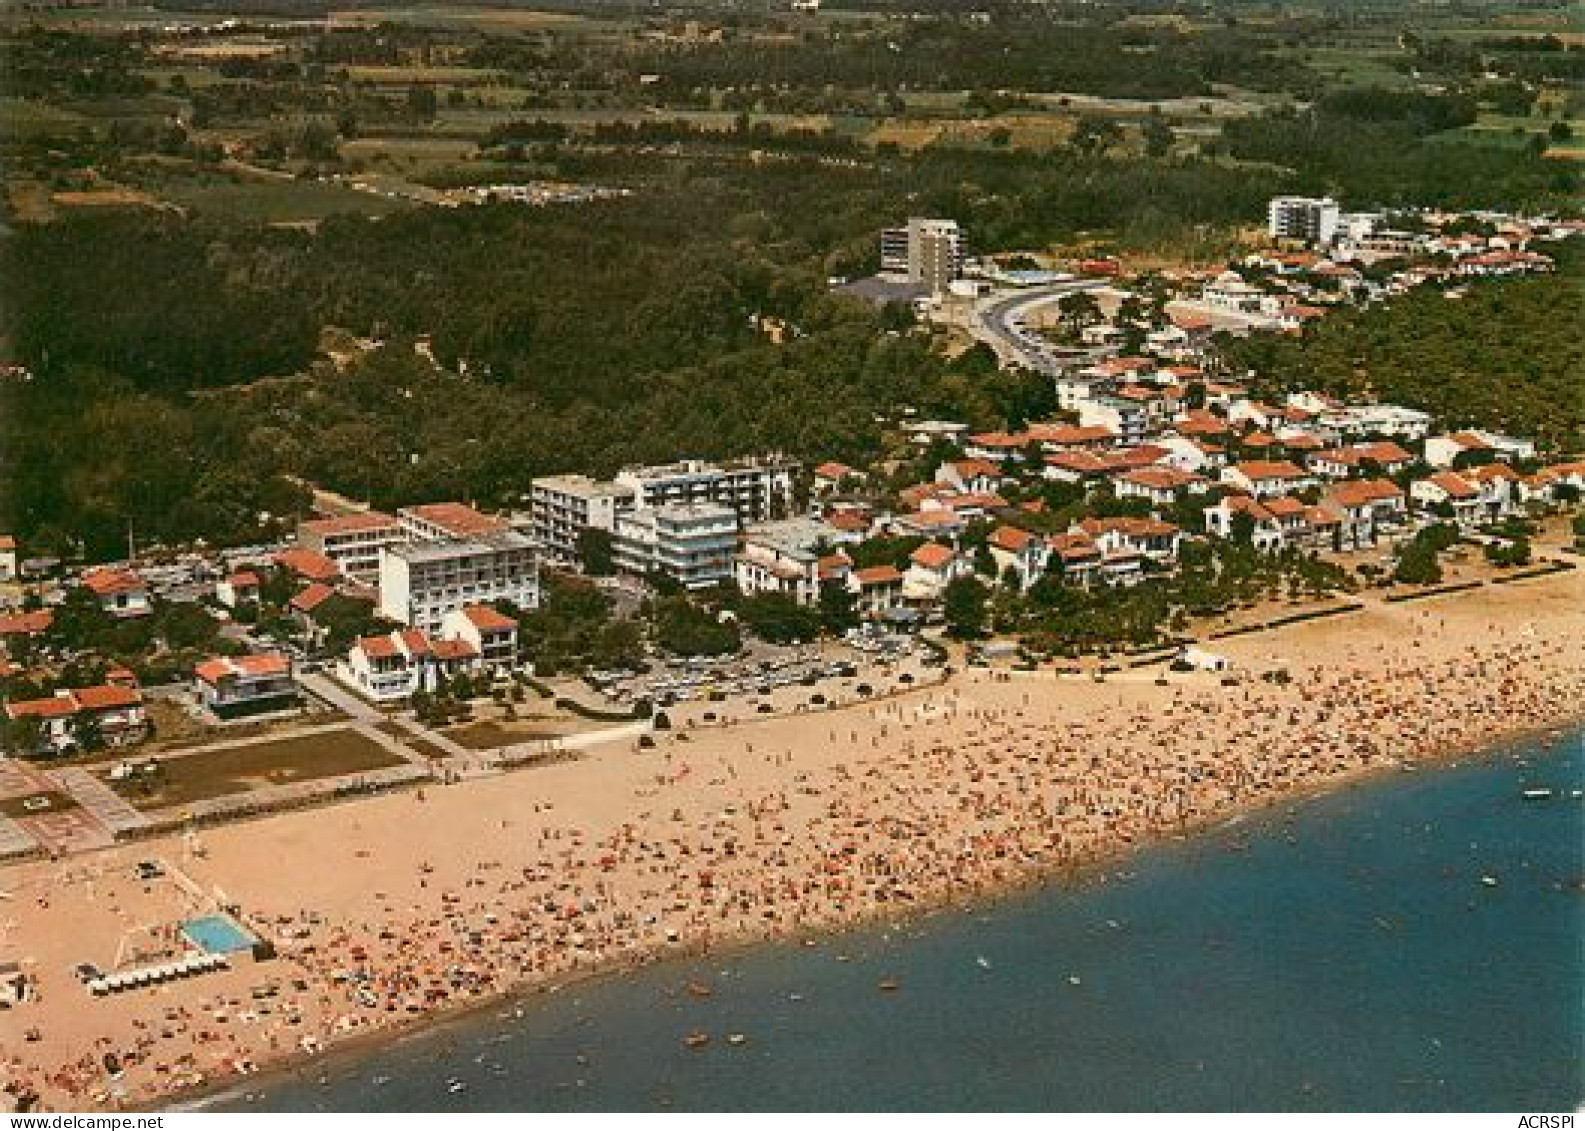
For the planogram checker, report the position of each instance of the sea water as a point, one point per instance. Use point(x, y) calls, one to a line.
point(1411, 943)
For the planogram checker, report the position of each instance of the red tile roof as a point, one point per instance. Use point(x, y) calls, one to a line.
point(1268, 469)
point(359, 522)
point(378, 647)
point(487, 619)
point(308, 564)
point(105, 698)
point(254, 666)
point(1011, 539)
point(311, 597)
point(457, 519)
point(932, 555)
point(453, 650)
point(878, 575)
point(54, 707)
point(107, 582)
point(26, 624)
point(1454, 486)
point(1363, 491)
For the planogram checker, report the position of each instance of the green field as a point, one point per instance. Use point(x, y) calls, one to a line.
point(272, 202)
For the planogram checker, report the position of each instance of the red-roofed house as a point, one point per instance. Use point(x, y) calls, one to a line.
point(831, 477)
point(972, 476)
point(878, 589)
point(1265, 531)
point(1366, 507)
point(1449, 495)
point(233, 686)
point(240, 588)
point(116, 712)
point(1340, 463)
point(930, 568)
point(1261, 478)
point(1148, 537)
point(8, 558)
point(1076, 557)
point(309, 565)
point(28, 624)
point(121, 592)
point(1160, 485)
point(491, 634)
point(1076, 467)
point(1019, 551)
point(393, 667)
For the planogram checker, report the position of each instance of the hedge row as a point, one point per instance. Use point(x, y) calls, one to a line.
point(1315, 614)
point(1539, 571)
point(640, 710)
point(1460, 587)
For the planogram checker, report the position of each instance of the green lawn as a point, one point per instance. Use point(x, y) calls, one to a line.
point(240, 769)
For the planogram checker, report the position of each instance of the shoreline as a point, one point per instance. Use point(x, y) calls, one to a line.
point(805, 826)
point(522, 998)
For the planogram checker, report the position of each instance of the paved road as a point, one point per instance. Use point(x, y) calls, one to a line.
point(993, 323)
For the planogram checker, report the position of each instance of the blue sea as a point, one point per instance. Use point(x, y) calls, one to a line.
point(1347, 953)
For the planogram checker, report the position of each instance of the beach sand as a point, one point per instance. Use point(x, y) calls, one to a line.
point(390, 909)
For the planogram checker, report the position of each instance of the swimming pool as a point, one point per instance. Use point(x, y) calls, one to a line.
point(218, 934)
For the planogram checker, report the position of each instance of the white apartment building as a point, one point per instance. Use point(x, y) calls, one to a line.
point(757, 488)
point(1313, 220)
point(420, 582)
point(563, 506)
point(352, 541)
point(692, 543)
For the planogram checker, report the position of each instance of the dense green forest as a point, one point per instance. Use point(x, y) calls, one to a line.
point(178, 382)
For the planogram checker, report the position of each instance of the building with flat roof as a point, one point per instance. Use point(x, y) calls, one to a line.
point(564, 506)
point(928, 252)
point(755, 487)
point(420, 582)
point(692, 543)
point(1314, 220)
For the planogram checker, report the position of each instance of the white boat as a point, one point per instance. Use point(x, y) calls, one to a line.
point(1536, 794)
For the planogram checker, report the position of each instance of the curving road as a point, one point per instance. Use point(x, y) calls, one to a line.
point(994, 323)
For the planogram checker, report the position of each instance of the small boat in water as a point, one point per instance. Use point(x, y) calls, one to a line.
point(887, 985)
point(696, 1039)
point(736, 1039)
point(1536, 794)
point(1489, 881)
point(698, 989)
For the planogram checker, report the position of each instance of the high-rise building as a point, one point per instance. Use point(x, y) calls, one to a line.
point(1313, 220)
point(929, 252)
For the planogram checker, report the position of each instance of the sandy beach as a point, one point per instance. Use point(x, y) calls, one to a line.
point(388, 910)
